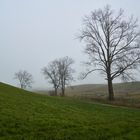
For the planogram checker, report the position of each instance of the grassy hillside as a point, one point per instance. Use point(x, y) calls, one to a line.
point(28, 116)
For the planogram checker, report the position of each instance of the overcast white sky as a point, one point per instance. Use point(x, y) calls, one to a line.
point(34, 32)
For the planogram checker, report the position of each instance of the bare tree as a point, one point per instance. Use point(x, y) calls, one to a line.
point(65, 72)
point(112, 44)
point(25, 79)
point(59, 73)
point(51, 73)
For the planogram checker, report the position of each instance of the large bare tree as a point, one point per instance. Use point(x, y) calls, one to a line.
point(25, 79)
point(112, 44)
point(65, 72)
point(51, 73)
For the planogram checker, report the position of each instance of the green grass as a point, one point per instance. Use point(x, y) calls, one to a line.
point(28, 116)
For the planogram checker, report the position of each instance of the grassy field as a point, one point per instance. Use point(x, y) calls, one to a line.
point(125, 93)
point(28, 116)
point(120, 89)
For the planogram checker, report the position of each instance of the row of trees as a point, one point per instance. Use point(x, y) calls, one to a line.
point(112, 44)
point(58, 73)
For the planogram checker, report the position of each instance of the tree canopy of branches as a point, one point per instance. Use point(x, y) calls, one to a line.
point(59, 73)
point(51, 74)
point(25, 79)
point(112, 44)
point(65, 72)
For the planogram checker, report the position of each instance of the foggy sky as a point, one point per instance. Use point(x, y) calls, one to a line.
point(35, 32)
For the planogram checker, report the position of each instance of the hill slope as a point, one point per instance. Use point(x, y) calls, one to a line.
point(24, 115)
point(121, 89)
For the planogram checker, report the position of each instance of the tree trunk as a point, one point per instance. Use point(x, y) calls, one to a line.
point(55, 91)
point(63, 91)
point(110, 90)
point(22, 86)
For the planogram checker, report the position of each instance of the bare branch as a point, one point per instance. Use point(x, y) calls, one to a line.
point(84, 75)
point(112, 43)
point(25, 79)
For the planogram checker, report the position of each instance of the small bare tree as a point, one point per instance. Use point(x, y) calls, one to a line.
point(65, 72)
point(25, 79)
point(51, 73)
point(59, 73)
point(112, 44)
